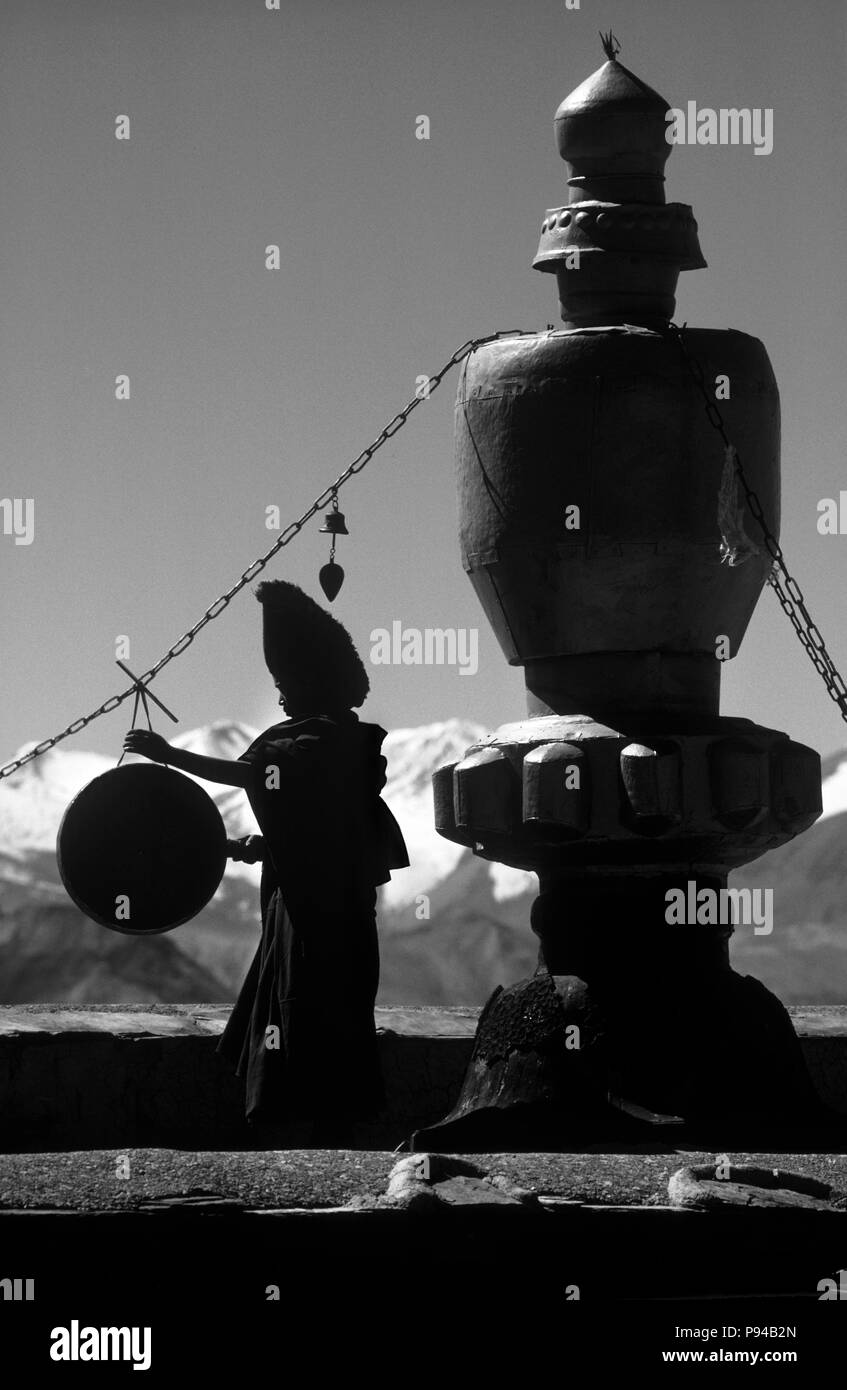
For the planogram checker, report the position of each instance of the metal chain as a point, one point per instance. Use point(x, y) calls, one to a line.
point(215, 609)
point(786, 588)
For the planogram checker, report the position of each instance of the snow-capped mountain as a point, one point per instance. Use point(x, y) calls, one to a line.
point(33, 801)
point(834, 784)
point(49, 951)
point(452, 926)
point(445, 921)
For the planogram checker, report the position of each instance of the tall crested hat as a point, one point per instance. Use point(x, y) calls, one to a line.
point(304, 642)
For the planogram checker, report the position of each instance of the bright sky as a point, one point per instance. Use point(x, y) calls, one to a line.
point(252, 388)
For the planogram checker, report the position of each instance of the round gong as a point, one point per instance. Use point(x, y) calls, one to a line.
point(141, 849)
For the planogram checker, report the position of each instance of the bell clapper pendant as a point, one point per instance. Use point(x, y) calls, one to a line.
point(331, 575)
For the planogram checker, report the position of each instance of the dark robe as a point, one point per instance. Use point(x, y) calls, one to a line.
point(329, 840)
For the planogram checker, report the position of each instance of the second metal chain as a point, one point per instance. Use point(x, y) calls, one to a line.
point(215, 609)
point(786, 588)
point(784, 585)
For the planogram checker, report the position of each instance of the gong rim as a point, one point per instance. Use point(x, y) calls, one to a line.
point(184, 840)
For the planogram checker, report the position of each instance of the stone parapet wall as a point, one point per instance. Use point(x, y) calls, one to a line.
point(112, 1076)
point(108, 1076)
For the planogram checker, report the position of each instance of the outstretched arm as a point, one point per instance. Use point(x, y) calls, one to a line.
point(158, 750)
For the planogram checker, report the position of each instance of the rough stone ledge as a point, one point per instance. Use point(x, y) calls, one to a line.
point(193, 1020)
point(516, 1232)
point(197, 1020)
point(315, 1179)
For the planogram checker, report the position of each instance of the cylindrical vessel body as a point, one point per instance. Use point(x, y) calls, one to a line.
point(610, 421)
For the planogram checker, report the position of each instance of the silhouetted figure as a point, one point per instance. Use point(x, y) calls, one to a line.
point(302, 1032)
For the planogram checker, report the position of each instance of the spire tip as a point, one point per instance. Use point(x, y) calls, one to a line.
point(611, 47)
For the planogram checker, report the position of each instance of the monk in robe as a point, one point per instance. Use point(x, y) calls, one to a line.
point(302, 1033)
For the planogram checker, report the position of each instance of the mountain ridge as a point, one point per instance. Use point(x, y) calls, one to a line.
point(452, 925)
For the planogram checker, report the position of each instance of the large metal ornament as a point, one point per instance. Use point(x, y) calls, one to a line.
point(141, 849)
point(594, 518)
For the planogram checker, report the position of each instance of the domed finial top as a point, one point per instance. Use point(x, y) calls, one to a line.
point(612, 132)
point(618, 247)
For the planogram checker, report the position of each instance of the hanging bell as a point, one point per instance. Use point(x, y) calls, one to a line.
point(331, 576)
point(334, 521)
